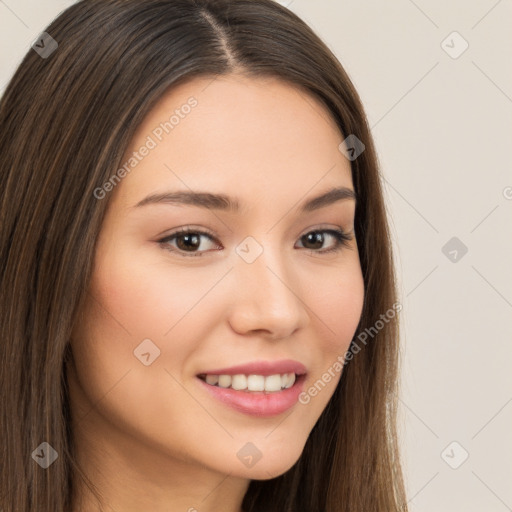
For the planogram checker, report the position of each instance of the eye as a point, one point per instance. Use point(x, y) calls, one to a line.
point(188, 241)
point(341, 239)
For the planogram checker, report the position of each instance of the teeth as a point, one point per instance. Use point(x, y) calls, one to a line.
point(257, 383)
point(212, 379)
point(241, 382)
point(224, 381)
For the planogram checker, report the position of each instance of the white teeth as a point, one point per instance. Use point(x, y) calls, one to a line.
point(256, 382)
point(242, 382)
point(224, 381)
point(212, 379)
point(274, 383)
point(291, 380)
point(239, 382)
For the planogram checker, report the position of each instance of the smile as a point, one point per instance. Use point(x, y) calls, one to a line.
point(241, 382)
point(252, 399)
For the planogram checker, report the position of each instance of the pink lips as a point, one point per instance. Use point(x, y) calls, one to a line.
point(264, 368)
point(259, 403)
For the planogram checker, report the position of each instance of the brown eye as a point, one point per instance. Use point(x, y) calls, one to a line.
point(188, 242)
point(317, 239)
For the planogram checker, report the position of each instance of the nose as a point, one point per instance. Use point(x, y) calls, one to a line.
point(267, 298)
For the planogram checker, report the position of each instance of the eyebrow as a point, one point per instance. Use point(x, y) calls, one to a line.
point(226, 203)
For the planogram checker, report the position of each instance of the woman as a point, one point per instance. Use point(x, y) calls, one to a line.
point(197, 297)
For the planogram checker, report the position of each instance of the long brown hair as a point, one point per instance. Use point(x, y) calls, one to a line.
point(66, 120)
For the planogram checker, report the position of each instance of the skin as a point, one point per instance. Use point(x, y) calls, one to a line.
point(150, 437)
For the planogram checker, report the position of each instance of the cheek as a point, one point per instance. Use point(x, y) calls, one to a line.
point(337, 308)
point(140, 298)
point(131, 301)
point(145, 296)
point(346, 312)
point(335, 311)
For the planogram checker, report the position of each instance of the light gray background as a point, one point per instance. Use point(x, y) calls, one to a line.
point(443, 127)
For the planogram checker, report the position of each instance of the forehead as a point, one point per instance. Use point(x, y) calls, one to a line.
point(251, 138)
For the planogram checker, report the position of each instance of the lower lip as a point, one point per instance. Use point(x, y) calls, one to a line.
point(258, 403)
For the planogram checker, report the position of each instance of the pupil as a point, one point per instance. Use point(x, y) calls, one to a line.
point(194, 245)
point(316, 238)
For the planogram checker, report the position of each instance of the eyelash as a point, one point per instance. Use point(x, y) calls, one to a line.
point(342, 239)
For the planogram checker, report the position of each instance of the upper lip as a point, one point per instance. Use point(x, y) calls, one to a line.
point(264, 368)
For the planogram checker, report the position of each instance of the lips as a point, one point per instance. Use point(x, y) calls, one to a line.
point(264, 368)
point(258, 404)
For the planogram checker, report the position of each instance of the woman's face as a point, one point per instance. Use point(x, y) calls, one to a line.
point(257, 287)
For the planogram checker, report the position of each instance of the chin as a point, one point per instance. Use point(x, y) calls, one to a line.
point(266, 469)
